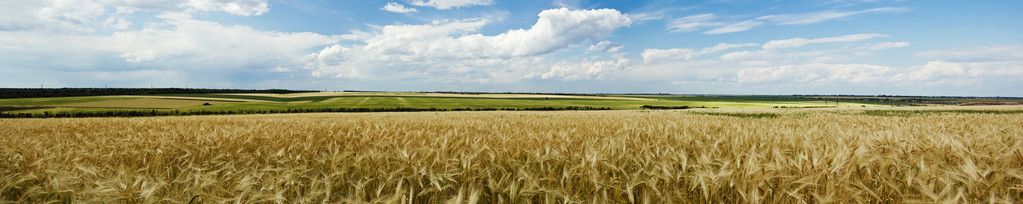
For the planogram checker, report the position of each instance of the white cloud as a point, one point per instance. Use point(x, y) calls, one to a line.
point(397, 8)
point(556, 29)
point(178, 44)
point(735, 27)
point(887, 45)
point(804, 70)
point(976, 73)
point(655, 55)
point(990, 66)
point(207, 43)
point(236, 7)
point(583, 70)
point(817, 17)
point(990, 74)
point(799, 42)
point(448, 4)
point(649, 15)
point(442, 42)
point(692, 23)
point(606, 46)
point(725, 46)
point(119, 20)
point(702, 21)
point(652, 55)
point(933, 70)
point(773, 55)
point(64, 16)
point(71, 11)
point(988, 53)
point(18, 15)
point(85, 16)
point(815, 73)
point(757, 56)
point(732, 24)
point(59, 40)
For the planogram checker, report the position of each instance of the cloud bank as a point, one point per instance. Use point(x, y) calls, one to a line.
point(448, 41)
point(449, 4)
point(397, 8)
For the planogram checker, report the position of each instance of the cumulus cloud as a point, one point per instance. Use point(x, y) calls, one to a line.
point(799, 42)
point(449, 4)
point(583, 70)
point(85, 16)
point(236, 7)
point(989, 74)
point(650, 55)
point(933, 71)
point(996, 66)
point(201, 42)
point(978, 73)
point(449, 40)
point(70, 17)
point(174, 43)
point(397, 8)
point(817, 17)
point(828, 67)
point(59, 38)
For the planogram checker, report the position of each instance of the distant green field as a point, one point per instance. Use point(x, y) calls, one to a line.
point(57, 100)
point(754, 101)
point(223, 103)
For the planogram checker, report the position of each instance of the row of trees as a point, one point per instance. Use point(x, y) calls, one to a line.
point(478, 93)
point(670, 107)
point(145, 113)
point(64, 92)
point(918, 97)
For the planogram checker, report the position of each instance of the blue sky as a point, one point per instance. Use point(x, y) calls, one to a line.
point(891, 47)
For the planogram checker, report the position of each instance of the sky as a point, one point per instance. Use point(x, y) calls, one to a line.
point(861, 47)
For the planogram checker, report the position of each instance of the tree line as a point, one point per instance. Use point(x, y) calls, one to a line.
point(65, 92)
point(670, 107)
point(148, 113)
point(479, 93)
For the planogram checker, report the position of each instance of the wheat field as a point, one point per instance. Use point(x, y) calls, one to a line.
point(516, 157)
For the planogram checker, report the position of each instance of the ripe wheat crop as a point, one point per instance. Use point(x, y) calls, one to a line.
point(518, 157)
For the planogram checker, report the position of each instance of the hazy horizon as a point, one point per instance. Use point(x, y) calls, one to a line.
point(824, 47)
